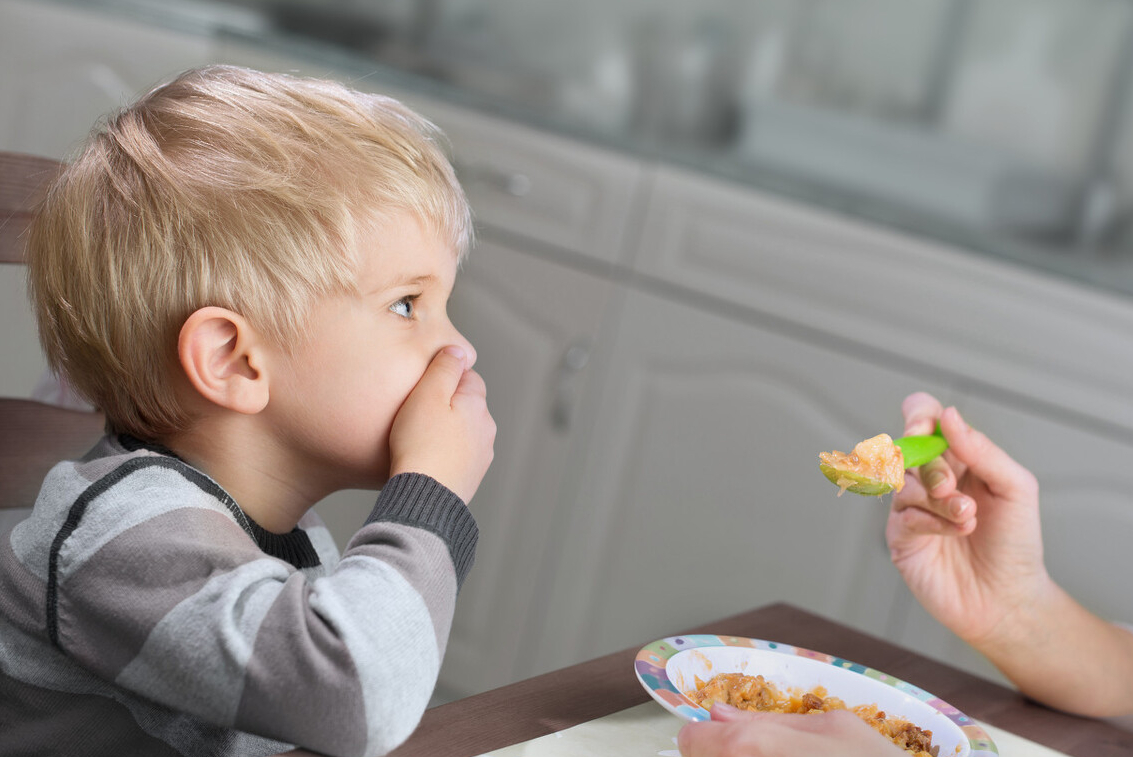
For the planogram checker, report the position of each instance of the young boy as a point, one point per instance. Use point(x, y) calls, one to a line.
point(248, 274)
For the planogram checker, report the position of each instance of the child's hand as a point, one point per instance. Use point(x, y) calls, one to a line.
point(444, 429)
point(964, 532)
point(739, 733)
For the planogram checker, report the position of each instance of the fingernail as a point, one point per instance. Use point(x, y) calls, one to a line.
point(952, 408)
point(959, 506)
point(935, 479)
point(456, 351)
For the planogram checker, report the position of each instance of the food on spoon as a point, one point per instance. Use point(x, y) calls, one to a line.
point(755, 693)
point(876, 466)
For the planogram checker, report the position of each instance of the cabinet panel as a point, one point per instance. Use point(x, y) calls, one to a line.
point(552, 190)
point(61, 69)
point(65, 66)
point(699, 492)
point(532, 323)
point(561, 193)
point(981, 320)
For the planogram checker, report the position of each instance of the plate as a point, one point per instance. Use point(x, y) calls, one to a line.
point(668, 667)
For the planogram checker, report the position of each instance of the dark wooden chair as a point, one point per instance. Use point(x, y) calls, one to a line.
point(33, 435)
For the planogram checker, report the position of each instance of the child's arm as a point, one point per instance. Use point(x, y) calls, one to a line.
point(183, 608)
point(965, 535)
point(164, 594)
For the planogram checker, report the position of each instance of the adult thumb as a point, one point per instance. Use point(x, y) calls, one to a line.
point(984, 459)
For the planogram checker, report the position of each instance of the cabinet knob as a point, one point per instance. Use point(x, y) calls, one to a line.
point(573, 361)
point(514, 183)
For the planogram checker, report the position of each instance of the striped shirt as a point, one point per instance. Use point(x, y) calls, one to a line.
point(142, 612)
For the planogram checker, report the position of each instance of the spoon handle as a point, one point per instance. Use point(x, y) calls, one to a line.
point(920, 449)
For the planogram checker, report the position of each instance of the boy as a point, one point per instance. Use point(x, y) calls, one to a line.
point(248, 274)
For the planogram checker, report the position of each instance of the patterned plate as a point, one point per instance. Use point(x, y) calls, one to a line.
point(669, 667)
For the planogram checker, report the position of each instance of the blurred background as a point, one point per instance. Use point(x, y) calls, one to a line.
point(714, 239)
point(1001, 125)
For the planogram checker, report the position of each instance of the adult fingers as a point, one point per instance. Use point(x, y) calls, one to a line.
point(998, 471)
point(941, 509)
point(938, 478)
point(905, 528)
point(921, 411)
point(933, 487)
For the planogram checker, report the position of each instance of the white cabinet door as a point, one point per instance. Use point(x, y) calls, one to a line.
point(61, 69)
point(64, 66)
point(532, 323)
point(699, 493)
point(904, 299)
point(559, 193)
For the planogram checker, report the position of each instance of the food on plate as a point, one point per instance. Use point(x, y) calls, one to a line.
point(876, 466)
point(747, 692)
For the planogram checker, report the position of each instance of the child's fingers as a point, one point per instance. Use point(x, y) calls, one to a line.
point(722, 711)
point(444, 374)
point(471, 385)
point(732, 735)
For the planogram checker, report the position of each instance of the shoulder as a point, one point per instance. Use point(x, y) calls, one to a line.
point(114, 491)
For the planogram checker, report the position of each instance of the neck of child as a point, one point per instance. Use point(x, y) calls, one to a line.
point(257, 475)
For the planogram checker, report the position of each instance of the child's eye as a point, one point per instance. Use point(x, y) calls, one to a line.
point(404, 306)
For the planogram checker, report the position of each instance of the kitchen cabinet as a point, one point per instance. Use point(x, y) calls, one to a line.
point(62, 69)
point(533, 323)
point(1020, 334)
point(533, 297)
point(549, 193)
point(698, 492)
point(1039, 364)
point(66, 67)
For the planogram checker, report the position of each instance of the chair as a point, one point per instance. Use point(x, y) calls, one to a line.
point(33, 435)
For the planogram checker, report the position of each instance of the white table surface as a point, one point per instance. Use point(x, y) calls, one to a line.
point(649, 730)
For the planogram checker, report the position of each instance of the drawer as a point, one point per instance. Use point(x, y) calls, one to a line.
point(550, 190)
point(907, 301)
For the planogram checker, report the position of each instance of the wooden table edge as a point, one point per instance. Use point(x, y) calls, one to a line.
point(551, 702)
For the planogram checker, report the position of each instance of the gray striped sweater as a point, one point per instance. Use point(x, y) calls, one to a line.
point(141, 612)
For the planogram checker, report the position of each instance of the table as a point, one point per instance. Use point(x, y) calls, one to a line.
point(555, 701)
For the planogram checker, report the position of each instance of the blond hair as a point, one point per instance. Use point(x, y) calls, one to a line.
point(225, 187)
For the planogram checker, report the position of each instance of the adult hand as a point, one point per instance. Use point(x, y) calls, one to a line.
point(964, 532)
point(444, 429)
point(740, 733)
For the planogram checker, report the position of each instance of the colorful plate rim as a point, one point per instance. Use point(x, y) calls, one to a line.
point(651, 662)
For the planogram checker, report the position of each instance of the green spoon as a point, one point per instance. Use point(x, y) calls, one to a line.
point(920, 449)
point(916, 451)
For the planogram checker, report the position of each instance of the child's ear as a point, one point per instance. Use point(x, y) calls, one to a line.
point(224, 359)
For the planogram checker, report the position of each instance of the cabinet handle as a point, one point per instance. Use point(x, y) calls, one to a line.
point(514, 183)
point(573, 361)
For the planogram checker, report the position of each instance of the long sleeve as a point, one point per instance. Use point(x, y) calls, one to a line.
point(156, 587)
